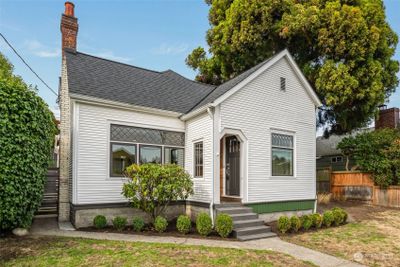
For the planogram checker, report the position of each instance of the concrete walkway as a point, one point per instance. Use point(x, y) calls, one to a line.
point(50, 227)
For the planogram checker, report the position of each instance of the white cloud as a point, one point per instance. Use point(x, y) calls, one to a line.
point(110, 55)
point(56, 111)
point(171, 49)
point(40, 50)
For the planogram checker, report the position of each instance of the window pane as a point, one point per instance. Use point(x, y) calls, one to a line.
point(173, 156)
point(282, 140)
point(146, 135)
point(122, 157)
point(150, 154)
point(282, 162)
point(198, 159)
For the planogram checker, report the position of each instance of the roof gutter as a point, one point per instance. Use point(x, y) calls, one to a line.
point(196, 112)
point(111, 103)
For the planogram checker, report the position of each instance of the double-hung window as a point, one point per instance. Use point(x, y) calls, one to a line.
point(131, 145)
point(282, 154)
point(198, 160)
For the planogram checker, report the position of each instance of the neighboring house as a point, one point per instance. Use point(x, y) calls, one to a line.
point(329, 157)
point(250, 140)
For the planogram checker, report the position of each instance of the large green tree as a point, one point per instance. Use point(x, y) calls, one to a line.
point(344, 47)
point(27, 132)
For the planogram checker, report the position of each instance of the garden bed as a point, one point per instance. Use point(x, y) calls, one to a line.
point(150, 231)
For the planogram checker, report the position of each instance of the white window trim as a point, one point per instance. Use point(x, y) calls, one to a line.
point(194, 142)
point(290, 133)
point(109, 141)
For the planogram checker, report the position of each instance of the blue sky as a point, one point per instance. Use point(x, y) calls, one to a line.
point(151, 34)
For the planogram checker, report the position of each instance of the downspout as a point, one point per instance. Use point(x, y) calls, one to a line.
point(210, 112)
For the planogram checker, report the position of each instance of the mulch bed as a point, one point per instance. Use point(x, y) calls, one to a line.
point(149, 231)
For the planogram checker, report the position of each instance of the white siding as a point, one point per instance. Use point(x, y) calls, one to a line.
point(92, 183)
point(260, 107)
point(200, 129)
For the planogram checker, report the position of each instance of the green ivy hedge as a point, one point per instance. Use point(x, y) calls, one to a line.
point(27, 132)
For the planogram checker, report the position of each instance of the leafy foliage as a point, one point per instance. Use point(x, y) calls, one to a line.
point(137, 224)
point(295, 223)
point(152, 187)
point(344, 48)
point(160, 224)
point(283, 224)
point(316, 220)
point(306, 222)
point(339, 215)
point(100, 221)
point(120, 223)
point(27, 132)
point(224, 225)
point(377, 152)
point(183, 224)
point(203, 224)
point(327, 218)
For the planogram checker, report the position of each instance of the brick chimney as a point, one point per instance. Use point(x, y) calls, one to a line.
point(69, 28)
point(387, 118)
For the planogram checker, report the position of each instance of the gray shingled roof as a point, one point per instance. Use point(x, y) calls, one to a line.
point(228, 85)
point(105, 79)
point(97, 77)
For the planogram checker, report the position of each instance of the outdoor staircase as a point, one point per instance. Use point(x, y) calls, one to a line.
point(246, 224)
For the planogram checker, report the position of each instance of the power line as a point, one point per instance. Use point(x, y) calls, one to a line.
point(29, 67)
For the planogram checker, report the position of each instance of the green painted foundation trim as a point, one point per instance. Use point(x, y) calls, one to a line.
point(268, 207)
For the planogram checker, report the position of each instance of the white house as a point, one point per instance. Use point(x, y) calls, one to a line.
point(250, 140)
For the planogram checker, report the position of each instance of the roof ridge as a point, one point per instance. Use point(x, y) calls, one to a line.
point(113, 61)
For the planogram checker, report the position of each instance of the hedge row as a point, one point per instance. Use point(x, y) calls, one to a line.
point(335, 216)
point(223, 224)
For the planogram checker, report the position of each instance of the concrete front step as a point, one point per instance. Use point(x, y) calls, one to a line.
point(253, 230)
point(234, 210)
point(256, 236)
point(247, 223)
point(244, 216)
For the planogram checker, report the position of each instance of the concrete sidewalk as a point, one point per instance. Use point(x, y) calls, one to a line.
point(50, 227)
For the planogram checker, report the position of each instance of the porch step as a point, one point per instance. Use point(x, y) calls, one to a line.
point(257, 236)
point(235, 210)
point(246, 224)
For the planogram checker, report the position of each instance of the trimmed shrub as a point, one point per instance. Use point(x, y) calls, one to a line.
point(224, 224)
point(283, 224)
point(119, 223)
point(295, 223)
point(100, 221)
point(203, 224)
point(316, 220)
point(137, 224)
point(27, 131)
point(327, 218)
point(183, 224)
point(160, 224)
point(306, 222)
point(340, 215)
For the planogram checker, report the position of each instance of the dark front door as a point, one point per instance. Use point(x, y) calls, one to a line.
point(232, 170)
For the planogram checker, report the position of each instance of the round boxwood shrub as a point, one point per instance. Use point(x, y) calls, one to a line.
point(27, 130)
point(340, 215)
point(327, 218)
point(316, 220)
point(306, 222)
point(295, 223)
point(119, 223)
point(283, 224)
point(224, 224)
point(100, 221)
point(203, 224)
point(160, 224)
point(183, 224)
point(137, 224)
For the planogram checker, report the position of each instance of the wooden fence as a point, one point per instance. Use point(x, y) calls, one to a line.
point(360, 186)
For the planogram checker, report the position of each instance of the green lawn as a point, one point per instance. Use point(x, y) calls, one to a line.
point(52, 251)
point(373, 238)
